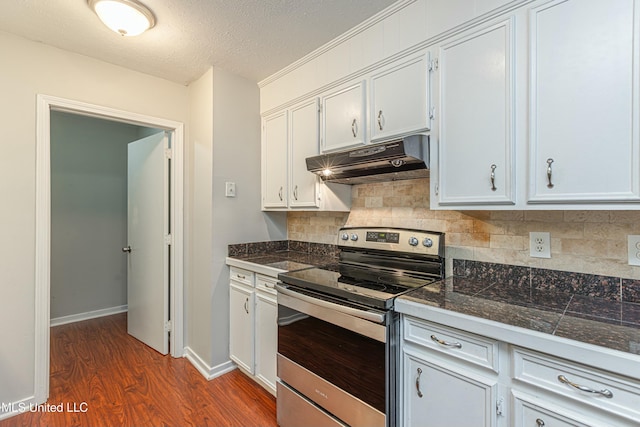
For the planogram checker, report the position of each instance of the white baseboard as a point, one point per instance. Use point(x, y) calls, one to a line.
point(87, 315)
point(8, 410)
point(207, 371)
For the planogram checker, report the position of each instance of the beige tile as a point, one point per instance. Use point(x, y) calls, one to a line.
point(499, 241)
point(630, 217)
point(544, 216)
point(489, 227)
point(613, 231)
point(459, 226)
point(586, 216)
point(373, 202)
point(507, 215)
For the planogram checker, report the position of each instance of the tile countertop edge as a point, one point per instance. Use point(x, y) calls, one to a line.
point(252, 266)
point(615, 361)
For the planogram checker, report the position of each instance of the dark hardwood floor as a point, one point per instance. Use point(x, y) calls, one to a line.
point(98, 368)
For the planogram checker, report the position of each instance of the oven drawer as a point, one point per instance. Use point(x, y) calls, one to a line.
point(478, 350)
point(294, 410)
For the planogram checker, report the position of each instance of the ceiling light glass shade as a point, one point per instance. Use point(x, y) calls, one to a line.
point(126, 17)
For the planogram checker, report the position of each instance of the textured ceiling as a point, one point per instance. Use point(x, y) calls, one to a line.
point(252, 38)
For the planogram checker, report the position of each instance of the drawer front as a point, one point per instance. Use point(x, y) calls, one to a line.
point(266, 284)
point(529, 411)
point(453, 342)
point(242, 276)
point(600, 389)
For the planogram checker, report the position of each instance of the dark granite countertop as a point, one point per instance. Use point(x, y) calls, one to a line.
point(606, 323)
point(286, 260)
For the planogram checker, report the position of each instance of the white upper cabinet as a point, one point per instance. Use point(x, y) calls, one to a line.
point(288, 138)
point(399, 99)
point(304, 131)
point(274, 161)
point(475, 140)
point(343, 117)
point(584, 115)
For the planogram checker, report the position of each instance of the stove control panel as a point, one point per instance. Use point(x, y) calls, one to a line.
point(393, 239)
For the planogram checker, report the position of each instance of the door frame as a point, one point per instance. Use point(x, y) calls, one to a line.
point(46, 104)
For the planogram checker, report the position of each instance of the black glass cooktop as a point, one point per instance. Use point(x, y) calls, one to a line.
point(373, 287)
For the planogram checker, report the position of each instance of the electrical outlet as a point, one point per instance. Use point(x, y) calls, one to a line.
point(634, 249)
point(540, 245)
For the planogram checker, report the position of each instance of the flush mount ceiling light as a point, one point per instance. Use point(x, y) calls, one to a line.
point(125, 17)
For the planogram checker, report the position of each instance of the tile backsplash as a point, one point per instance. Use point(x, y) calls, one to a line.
point(590, 242)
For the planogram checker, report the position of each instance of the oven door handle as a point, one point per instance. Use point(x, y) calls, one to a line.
point(367, 323)
point(363, 314)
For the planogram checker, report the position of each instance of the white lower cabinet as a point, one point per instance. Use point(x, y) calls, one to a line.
point(455, 378)
point(266, 331)
point(241, 315)
point(445, 370)
point(253, 334)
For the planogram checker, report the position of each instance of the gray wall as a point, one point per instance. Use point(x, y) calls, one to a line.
point(88, 212)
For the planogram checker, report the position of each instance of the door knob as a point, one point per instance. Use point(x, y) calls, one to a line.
point(126, 249)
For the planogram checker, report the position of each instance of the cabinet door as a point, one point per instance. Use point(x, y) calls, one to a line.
point(343, 116)
point(584, 85)
point(475, 137)
point(436, 396)
point(241, 312)
point(303, 187)
point(399, 99)
point(274, 161)
point(266, 338)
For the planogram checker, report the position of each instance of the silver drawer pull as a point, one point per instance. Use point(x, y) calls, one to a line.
point(445, 343)
point(549, 173)
point(418, 382)
point(539, 422)
point(240, 276)
point(270, 285)
point(606, 392)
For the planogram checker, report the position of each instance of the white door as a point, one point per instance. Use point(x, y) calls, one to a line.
point(304, 133)
point(147, 278)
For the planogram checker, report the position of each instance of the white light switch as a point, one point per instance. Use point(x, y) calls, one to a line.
point(230, 189)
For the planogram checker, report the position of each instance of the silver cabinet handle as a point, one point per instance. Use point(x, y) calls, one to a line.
point(549, 171)
point(240, 276)
point(445, 343)
point(246, 305)
point(493, 177)
point(418, 382)
point(380, 119)
point(539, 422)
point(126, 249)
point(606, 392)
point(280, 193)
point(295, 193)
point(354, 128)
point(270, 285)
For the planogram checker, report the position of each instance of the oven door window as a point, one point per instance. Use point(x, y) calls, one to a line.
point(350, 361)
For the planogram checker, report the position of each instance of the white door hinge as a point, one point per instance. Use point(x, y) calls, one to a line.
point(500, 407)
point(433, 65)
point(168, 153)
point(168, 239)
point(168, 326)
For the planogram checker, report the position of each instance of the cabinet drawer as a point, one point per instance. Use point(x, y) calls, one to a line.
point(529, 411)
point(266, 284)
point(600, 389)
point(242, 276)
point(473, 348)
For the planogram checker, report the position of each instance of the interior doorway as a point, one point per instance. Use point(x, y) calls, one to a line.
point(174, 268)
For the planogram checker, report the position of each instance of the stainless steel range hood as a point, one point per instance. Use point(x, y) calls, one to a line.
point(406, 158)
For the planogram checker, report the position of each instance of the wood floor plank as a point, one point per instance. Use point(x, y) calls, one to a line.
point(123, 382)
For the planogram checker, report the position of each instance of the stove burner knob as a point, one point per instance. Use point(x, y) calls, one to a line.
point(427, 242)
point(413, 241)
point(354, 237)
point(344, 236)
